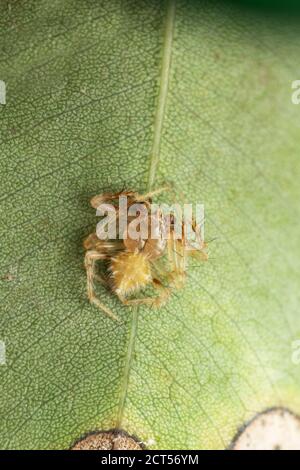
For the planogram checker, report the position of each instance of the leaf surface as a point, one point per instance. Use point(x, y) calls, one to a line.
point(108, 94)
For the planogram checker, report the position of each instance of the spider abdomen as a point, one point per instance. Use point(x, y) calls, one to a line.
point(130, 271)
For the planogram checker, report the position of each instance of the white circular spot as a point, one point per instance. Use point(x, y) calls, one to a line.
point(275, 429)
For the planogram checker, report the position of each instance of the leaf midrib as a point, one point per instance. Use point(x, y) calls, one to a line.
point(154, 161)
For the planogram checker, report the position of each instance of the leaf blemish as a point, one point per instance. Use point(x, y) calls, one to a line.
point(274, 429)
point(108, 440)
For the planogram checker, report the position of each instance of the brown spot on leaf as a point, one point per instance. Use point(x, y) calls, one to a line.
point(274, 429)
point(108, 440)
point(8, 277)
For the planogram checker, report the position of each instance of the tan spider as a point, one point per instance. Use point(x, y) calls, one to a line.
point(134, 264)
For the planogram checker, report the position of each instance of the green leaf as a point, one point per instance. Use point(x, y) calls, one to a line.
point(108, 94)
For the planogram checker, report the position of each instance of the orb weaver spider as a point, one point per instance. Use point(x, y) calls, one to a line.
point(134, 264)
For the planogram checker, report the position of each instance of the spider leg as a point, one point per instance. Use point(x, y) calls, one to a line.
point(178, 261)
point(165, 292)
point(199, 251)
point(106, 197)
point(92, 242)
point(155, 301)
point(200, 255)
point(91, 257)
point(150, 194)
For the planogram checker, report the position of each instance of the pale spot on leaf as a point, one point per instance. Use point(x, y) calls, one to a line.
point(276, 429)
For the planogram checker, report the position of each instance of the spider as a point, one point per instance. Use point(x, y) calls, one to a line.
point(134, 264)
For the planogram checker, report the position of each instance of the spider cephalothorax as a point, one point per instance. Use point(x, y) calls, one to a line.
point(155, 258)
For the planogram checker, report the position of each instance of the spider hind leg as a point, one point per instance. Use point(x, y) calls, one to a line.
point(155, 301)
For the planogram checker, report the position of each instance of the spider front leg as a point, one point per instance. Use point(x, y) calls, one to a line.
point(96, 201)
point(91, 257)
point(150, 194)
